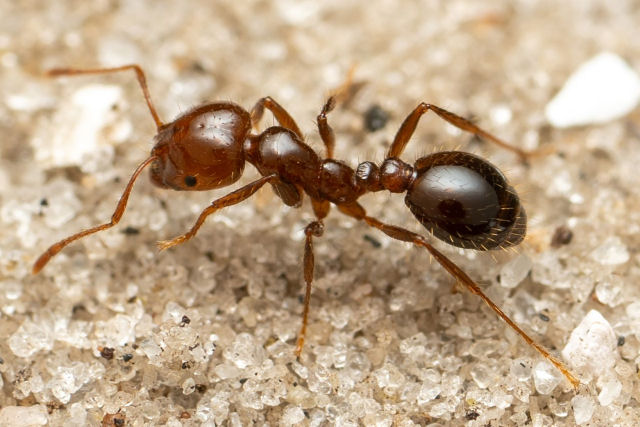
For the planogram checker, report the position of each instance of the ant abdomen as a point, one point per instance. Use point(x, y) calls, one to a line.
point(465, 201)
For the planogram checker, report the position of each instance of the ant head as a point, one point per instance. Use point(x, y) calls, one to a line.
point(201, 149)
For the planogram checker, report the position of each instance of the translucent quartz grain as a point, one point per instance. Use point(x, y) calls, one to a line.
point(546, 377)
point(292, 415)
point(521, 368)
point(583, 407)
point(611, 252)
point(609, 391)
point(19, 416)
point(514, 271)
point(31, 337)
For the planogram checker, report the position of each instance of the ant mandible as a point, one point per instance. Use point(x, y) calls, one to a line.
point(459, 197)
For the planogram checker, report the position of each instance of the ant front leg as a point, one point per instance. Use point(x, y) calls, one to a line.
point(282, 116)
point(230, 199)
point(142, 80)
point(408, 127)
point(357, 211)
point(115, 218)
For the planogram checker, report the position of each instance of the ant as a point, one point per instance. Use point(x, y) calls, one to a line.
point(459, 197)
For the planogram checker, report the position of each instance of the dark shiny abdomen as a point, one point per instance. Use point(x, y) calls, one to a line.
point(465, 201)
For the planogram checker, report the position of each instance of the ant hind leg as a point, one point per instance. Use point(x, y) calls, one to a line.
point(408, 127)
point(357, 211)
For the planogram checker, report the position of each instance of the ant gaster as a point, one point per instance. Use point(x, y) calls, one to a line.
point(459, 197)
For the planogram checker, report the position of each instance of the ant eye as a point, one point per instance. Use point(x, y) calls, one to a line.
point(190, 181)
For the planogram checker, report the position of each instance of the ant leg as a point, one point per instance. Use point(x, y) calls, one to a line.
point(139, 74)
point(357, 211)
point(348, 88)
point(326, 132)
point(230, 199)
point(342, 93)
point(282, 116)
point(115, 218)
point(408, 127)
point(316, 228)
point(321, 208)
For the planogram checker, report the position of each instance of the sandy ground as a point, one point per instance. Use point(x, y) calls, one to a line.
point(204, 333)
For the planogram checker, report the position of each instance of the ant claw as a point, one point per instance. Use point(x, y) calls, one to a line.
point(163, 245)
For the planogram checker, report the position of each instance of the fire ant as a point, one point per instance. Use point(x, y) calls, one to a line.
point(459, 197)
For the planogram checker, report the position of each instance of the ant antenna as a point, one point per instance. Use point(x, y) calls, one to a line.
point(139, 74)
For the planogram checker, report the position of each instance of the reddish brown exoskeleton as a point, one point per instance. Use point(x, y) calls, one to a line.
point(459, 197)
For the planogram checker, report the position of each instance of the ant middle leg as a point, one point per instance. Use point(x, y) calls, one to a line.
point(282, 116)
point(343, 94)
point(326, 132)
point(313, 229)
point(142, 80)
point(408, 127)
point(230, 199)
point(355, 210)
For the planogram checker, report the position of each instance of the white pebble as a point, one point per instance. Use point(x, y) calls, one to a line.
point(602, 89)
point(20, 416)
point(592, 344)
